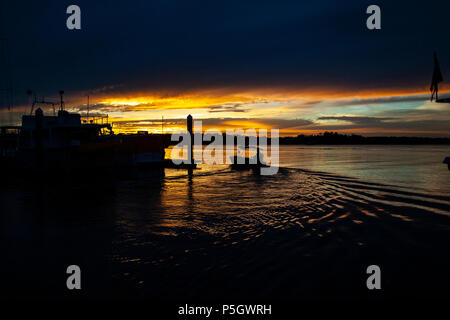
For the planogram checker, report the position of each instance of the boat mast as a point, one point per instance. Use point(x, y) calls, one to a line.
point(61, 93)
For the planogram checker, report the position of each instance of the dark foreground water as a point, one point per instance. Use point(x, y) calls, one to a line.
point(219, 234)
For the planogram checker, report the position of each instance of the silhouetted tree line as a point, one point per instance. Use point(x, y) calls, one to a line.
point(337, 138)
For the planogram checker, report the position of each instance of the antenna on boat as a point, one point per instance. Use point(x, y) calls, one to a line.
point(88, 108)
point(36, 102)
point(61, 93)
point(30, 93)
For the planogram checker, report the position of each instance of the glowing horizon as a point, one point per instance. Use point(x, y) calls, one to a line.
point(294, 112)
point(268, 109)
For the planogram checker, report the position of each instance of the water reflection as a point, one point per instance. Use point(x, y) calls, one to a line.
point(220, 227)
point(202, 233)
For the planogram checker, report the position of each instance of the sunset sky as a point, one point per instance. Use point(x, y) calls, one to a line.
point(300, 66)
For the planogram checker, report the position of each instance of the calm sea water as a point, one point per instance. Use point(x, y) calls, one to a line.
point(308, 232)
point(411, 166)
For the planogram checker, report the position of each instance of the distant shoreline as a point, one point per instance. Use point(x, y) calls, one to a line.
point(334, 138)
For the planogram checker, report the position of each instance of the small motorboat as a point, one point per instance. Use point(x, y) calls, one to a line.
point(246, 163)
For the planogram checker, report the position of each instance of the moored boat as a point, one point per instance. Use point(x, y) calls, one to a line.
point(64, 141)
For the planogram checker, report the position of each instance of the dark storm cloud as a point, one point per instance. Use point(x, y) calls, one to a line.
point(442, 113)
point(98, 107)
point(364, 121)
point(174, 45)
point(233, 107)
point(382, 100)
point(304, 105)
point(385, 124)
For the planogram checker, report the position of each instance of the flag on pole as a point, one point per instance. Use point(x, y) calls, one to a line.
point(437, 77)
